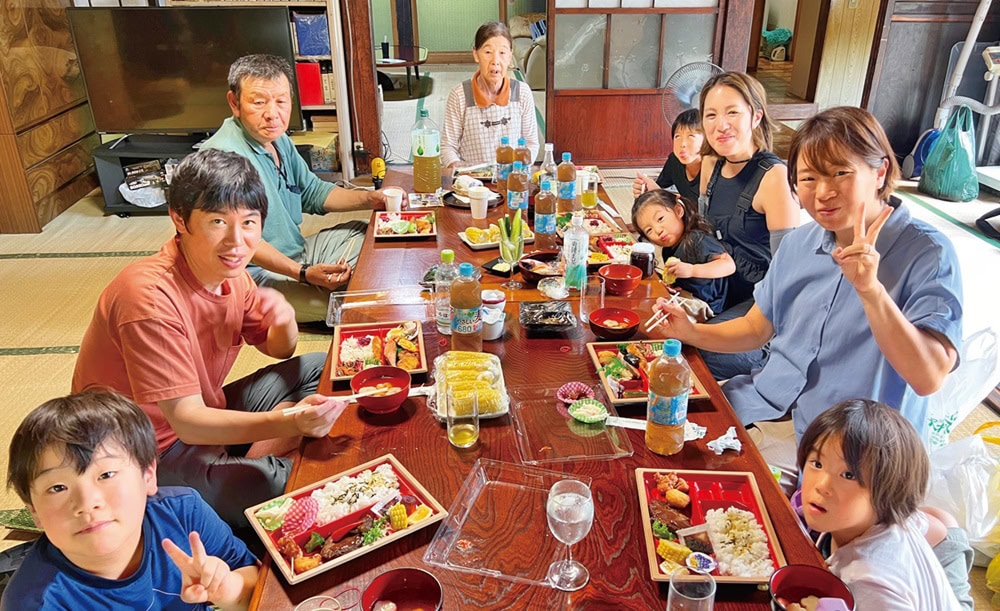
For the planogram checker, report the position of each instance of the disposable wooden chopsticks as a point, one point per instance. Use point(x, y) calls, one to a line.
point(291, 411)
point(656, 319)
point(347, 249)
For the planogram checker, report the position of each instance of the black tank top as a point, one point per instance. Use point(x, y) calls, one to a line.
point(741, 228)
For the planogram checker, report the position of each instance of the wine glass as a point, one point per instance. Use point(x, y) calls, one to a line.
point(570, 512)
point(511, 251)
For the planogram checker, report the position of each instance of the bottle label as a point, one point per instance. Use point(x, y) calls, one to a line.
point(503, 170)
point(567, 190)
point(668, 411)
point(545, 223)
point(427, 145)
point(517, 199)
point(466, 322)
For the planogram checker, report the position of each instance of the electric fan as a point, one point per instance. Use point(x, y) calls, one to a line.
point(682, 89)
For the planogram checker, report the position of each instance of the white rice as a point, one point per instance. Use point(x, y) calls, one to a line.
point(351, 352)
point(349, 494)
point(740, 543)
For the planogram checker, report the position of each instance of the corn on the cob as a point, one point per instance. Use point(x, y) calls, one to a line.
point(489, 401)
point(674, 552)
point(397, 516)
point(467, 376)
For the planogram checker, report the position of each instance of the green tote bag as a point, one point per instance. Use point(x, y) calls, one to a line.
point(950, 170)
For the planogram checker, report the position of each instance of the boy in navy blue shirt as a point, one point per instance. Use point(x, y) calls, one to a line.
point(86, 467)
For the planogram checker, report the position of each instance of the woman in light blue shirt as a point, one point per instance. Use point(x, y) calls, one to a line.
point(864, 303)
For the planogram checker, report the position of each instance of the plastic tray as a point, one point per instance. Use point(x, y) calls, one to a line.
point(531, 310)
point(709, 490)
point(344, 332)
point(407, 485)
point(529, 238)
point(497, 526)
point(593, 348)
point(436, 402)
point(595, 221)
point(383, 217)
point(546, 433)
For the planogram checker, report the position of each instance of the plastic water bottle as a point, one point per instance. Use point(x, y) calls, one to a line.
point(566, 173)
point(426, 139)
point(545, 216)
point(446, 273)
point(466, 311)
point(517, 189)
point(549, 168)
point(575, 253)
point(669, 388)
point(505, 162)
point(523, 154)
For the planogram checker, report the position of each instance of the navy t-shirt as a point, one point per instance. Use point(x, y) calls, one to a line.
point(47, 580)
point(700, 247)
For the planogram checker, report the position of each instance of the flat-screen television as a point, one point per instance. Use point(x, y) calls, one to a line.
point(164, 70)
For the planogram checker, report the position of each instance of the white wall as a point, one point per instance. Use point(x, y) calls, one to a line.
point(779, 14)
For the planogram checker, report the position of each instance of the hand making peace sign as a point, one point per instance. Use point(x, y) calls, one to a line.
point(859, 261)
point(204, 578)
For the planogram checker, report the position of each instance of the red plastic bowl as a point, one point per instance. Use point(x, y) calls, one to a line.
point(408, 587)
point(376, 375)
point(796, 581)
point(628, 323)
point(620, 279)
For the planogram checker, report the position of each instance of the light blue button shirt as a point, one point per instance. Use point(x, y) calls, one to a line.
point(823, 350)
point(284, 205)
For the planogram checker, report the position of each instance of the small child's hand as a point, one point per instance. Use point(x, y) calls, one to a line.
point(204, 578)
point(679, 268)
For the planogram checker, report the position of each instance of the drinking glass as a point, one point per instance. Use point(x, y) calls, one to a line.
point(510, 252)
point(591, 297)
point(462, 418)
point(570, 512)
point(588, 190)
point(690, 592)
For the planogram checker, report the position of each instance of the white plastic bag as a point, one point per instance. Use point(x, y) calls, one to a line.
point(964, 388)
point(965, 481)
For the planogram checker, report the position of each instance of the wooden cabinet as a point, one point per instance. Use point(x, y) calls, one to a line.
point(46, 131)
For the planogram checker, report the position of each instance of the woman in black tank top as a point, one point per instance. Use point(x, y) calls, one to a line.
point(744, 193)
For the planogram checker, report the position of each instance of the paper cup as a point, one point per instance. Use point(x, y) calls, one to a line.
point(479, 198)
point(393, 199)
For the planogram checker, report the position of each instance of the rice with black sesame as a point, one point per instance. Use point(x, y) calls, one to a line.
point(740, 543)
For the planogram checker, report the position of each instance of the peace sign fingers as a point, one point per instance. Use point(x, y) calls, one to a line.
point(877, 226)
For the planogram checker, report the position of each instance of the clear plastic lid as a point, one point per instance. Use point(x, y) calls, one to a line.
point(643, 247)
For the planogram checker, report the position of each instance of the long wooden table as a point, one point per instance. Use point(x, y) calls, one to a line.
point(614, 551)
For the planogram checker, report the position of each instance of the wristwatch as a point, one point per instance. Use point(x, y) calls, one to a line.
point(302, 274)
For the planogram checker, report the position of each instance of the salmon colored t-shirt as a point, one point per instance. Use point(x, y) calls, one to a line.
point(158, 334)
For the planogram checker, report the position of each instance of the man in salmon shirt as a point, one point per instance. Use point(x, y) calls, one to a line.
point(169, 327)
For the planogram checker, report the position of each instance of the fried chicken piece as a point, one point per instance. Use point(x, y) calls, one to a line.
point(676, 498)
point(289, 548)
point(304, 563)
point(408, 361)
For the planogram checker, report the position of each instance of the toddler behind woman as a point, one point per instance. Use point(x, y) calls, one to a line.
point(864, 474)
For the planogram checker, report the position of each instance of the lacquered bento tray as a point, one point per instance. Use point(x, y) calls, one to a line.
point(641, 394)
point(408, 485)
point(342, 370)
point(383, 230)
point(708, 490)
point(595, 221)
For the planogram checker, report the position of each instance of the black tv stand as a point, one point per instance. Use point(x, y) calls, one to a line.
point(111, 157)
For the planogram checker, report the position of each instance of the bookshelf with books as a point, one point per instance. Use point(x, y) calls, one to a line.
point(319, 60)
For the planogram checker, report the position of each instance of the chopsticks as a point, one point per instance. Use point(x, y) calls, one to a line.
point(347, 249)
point(291, 411)
point(658, 317)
